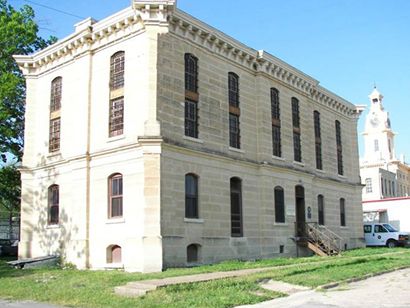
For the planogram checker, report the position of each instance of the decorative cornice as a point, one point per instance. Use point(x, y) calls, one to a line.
point(91, 35)
point(188, 27)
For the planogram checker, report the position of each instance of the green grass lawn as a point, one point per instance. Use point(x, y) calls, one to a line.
point(96, 288)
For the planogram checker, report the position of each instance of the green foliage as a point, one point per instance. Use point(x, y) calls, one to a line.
point(76, 288)
point(9, 190)
point(18, 36)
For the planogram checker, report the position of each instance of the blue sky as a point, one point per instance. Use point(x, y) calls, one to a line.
point(348, 45)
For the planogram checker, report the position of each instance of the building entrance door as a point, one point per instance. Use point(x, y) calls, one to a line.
point(300, 211)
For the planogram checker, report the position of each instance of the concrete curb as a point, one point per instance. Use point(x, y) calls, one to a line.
point(350, 280)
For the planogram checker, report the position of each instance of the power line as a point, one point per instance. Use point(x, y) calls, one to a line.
point(54, 9)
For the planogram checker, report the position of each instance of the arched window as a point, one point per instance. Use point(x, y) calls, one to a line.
point(342, 212)
point(55, 117)
point(321, 209)
point(117, 70)
point(297, 149)
point(191, 96)
point(56, 92)
point(234, 111)
point(191, 196)
point(318, 140)
point(279, 204)
point(236, 208)
point(192, 252)
point(276, 134)
point(53, 204)
point(115, 196)
point(116, 107)
point(114, 254)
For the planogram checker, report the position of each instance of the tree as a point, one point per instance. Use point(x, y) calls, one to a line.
point(9, 194)
point(18, 35)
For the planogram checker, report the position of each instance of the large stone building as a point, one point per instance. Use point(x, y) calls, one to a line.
point(386, 178)
point(154, 140)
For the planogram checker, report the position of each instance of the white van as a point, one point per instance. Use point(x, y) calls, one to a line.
point(382, 234)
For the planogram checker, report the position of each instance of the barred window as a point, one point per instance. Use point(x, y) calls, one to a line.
point(342, 212)
point(115, 195)
point(117, 70)
point(191, 73)
point(191, 96)
point(236, 208)
point(116, 125)
point(191, 196)
point(56, 92)
point(279, 204)
point(339, 148)
point(318, 140)
point(191, 116)
point(233, 85)
point(53, 204)
point(234, 131)
point(321, 209)
point(297, 149)
point(276, 130)
point(54, 135)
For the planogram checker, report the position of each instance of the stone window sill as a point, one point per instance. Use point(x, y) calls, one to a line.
point(298, 163)
point(57, 226)
point(236, 150)
point(281, 224)
point(197, 140)
point(194, 220)
point(116, 138)
point(278, 158)
point(114, 221)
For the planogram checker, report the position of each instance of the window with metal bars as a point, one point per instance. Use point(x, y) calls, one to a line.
point(191, 119)
point(321, 209)
point(234, 110)
point(191, 96)
point(54, 135)
point(115, 206)
point(56, 92)
point(297, 149)
point(236, 208)
point(339, 148)
point(117, 68)
point(191, 196)
point(276, 130)
point(318, 140)
point(234, 131)
point(116, 124)
point(233, 85)
point(279, 204)
point(53, 204)
point(342, 213)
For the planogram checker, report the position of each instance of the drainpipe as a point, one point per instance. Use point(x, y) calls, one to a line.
point(88, 157)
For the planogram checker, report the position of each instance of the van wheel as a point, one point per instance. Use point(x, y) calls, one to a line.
point(391, 243)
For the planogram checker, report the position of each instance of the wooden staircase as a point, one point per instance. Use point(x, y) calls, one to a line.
point(321, 240)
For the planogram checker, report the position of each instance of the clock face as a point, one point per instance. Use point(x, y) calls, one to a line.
point(374, 120)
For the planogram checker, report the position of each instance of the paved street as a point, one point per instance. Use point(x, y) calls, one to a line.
point(389, 290)
point(23, 304)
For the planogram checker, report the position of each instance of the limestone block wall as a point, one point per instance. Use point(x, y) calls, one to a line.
point(255, 119)
point(262, 235)
point(67, 239)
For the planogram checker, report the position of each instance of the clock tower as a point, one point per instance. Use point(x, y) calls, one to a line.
point(378, 135)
